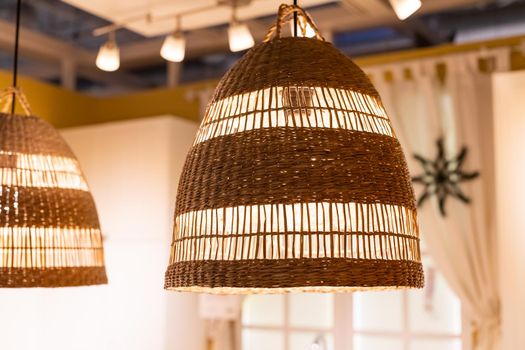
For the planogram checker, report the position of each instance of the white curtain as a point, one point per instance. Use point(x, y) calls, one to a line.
point(450, 98)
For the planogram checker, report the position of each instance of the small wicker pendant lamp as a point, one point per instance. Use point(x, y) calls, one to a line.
point(295, 181)
point(49, 229)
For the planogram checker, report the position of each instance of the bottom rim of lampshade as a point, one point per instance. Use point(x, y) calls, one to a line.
point(52, 277)
point(314, 289)
point(293, 275)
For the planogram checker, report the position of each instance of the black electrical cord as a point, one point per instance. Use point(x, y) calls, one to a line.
point(295, 20)
point(15, 58)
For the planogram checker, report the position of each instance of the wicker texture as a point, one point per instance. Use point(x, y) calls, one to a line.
point(295, 181)
point(49, 228)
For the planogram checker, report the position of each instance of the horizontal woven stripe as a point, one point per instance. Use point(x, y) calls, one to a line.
point(306, 217)
point(46, 207)
point(50, 247)
point(306, 62)
point(51, 179)
point(33, 170)
point(305, 107)
point(31, 135)
point(289, 165)
point(52, 277)
point(314, 230)
point(39, 162)
point(49, 237)
point(292, 275)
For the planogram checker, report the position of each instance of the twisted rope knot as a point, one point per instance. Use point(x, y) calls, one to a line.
point(7, 98)
point(285, 15)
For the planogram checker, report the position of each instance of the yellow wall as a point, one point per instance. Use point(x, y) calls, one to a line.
point(64, 108)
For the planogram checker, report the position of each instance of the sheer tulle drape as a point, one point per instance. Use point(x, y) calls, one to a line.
point(425, 106)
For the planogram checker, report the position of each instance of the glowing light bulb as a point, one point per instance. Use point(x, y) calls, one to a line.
point(174, 47)
point(108, 57)
point(239, 37)
point(405, 8)
point(303, 26)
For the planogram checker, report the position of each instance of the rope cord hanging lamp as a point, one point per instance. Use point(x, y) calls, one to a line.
point(49, 228)
point(296, 180)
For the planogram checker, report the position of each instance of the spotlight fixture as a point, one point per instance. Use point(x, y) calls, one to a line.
point(239, 35)
point(174, 46)
point(108, 57)
point(405, 8)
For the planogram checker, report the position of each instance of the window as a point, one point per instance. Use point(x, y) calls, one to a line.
point(425, 319)
point(286, 322)
point(428, 319)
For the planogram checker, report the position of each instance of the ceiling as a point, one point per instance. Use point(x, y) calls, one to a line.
point(154, 17)
point(57, 36)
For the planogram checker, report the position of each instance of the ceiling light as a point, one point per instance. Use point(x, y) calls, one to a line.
point(49, 229)
point(239, 36)
point(174, 46)
point(108, 58)
point(295, 181)
point(405, 8)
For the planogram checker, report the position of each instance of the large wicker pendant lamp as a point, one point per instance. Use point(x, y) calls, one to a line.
point(295, 181)
point(49, 229)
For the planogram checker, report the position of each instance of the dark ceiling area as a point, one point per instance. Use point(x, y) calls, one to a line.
point(501, 18)
point(56, 19)
point(61, 20)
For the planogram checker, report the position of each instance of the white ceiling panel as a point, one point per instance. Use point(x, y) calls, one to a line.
point(162, 12)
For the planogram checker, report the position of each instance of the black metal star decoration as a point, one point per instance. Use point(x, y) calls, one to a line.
point(442, 177)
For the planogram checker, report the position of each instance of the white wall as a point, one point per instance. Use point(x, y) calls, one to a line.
point(132, 168)
point(509, 128)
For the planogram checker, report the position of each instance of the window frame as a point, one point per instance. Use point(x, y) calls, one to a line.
point(286, 329)
point(343, 330)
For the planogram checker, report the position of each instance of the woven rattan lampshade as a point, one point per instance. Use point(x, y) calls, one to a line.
point(49, 229)
point(295, 181)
